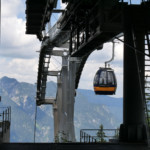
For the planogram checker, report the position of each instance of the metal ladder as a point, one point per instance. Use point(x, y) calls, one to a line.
point(45, 67)
point(147, 79)
point(44, 63)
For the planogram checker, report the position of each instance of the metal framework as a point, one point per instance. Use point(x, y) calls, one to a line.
point(38, 13)
point(105, 136)
point(5, 121)
point(83, 27)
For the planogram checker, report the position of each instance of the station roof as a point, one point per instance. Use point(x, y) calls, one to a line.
point(38, 13)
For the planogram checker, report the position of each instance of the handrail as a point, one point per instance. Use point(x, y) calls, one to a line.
point(134, 2)
point(5, 119)
point(90, 135)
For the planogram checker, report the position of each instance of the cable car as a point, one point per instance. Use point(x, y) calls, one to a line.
point(105, 82)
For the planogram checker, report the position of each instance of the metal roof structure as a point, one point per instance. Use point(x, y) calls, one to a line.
point(38, 13)
point(86, 25)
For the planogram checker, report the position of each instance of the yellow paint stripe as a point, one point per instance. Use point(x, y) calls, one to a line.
point(104, 88)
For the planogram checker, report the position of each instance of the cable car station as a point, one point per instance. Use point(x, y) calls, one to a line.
point(84, 26)
point(88, 25)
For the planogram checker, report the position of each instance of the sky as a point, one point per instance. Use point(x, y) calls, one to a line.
point(19, 56)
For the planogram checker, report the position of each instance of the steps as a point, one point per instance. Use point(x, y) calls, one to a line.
point(44, 61)
point(147, 80)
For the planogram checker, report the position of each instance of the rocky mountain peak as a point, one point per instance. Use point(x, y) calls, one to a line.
point(8, 81)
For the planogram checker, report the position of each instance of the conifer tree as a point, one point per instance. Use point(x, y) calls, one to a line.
point(101, 134)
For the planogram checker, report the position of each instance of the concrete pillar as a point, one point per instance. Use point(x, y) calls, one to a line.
point(57, 106)
point(60, 113)
point(71, 97)
point(64, 79)
point(63, 109)
point(133, 127)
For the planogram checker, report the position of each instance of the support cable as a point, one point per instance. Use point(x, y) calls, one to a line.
point(56, 60)
point(136, 51)
point(138, 69)
point(137, 62)
point(140, 82)
point(55, 17)
point(35, 123)
point(133, 48)
point(56, 67)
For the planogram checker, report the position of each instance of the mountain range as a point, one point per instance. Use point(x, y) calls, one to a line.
point(90, 111)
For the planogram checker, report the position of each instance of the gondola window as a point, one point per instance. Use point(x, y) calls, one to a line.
point(103, 79)
point(110, 78)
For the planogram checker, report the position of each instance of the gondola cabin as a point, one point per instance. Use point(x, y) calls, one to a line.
point(105, 82)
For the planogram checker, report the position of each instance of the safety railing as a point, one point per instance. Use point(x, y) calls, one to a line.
point(5, 119)
point(130, 2)
point(99, 135)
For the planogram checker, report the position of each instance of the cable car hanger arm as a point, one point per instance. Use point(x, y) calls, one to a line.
point(113, 54)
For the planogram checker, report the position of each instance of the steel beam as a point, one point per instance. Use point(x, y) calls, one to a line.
point(48, 101)
point(59, 53)
point(73, 64)
point(133, 128)
point(58, 10)
point(53, 73)
point(64, 115)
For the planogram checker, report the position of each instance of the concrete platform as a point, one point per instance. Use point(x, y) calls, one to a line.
point(72, 146)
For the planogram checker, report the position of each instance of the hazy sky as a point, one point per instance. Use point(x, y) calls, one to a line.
point(19, 59)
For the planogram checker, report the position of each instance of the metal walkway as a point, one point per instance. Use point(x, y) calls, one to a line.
point(147, 81)
point(86, 26)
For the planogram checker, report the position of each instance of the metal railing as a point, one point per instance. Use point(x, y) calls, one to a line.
point(99, 136)
point(130, 2)
point(5, 119)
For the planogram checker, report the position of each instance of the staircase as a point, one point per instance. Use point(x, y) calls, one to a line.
point(147, 80)
point(44, 60)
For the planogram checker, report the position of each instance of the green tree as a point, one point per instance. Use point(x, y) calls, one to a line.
point(61, 137)
point(101, 134)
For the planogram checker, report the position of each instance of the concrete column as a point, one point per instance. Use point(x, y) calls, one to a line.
point(133, 127)
point(71, 97)
point(55, 114)
point(57, 107)
point(64, 113)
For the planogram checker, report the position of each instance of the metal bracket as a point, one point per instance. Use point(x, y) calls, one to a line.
point(53, 73)
point(60, 53)
point(58, 10)
point(48, 101)
point(76, 59)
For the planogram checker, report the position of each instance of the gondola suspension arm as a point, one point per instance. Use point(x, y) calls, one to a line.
point(113, 55)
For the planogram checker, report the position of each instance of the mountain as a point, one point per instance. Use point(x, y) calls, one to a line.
point(21, 98)
point(90, 111)
point(115, 105)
